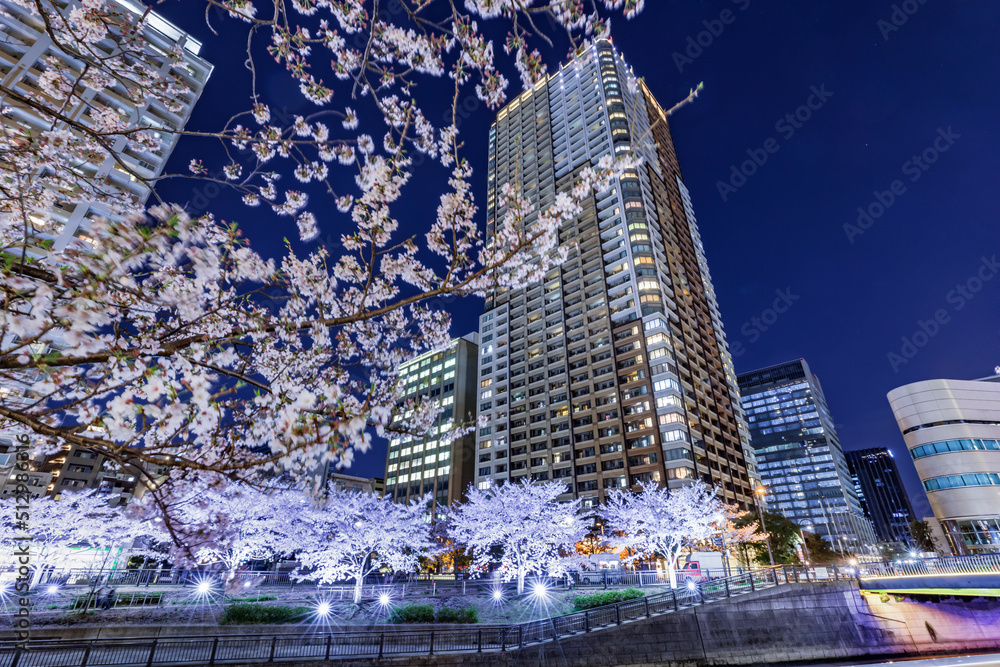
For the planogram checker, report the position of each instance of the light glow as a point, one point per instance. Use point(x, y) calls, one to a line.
point(540, 590)
point(323, 609)
point(52, 590)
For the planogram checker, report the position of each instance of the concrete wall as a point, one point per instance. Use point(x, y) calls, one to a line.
point(798, 623)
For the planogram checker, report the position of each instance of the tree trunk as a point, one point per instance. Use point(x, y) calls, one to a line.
point(520, 581)
point(672, 572)
point(359, 584)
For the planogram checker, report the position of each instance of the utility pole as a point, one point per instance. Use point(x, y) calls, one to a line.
point(760, 512)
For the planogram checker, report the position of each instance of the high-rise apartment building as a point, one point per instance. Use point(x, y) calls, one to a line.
point(880, 490)
point(799, 456)
point(952, 430)
point(418, 466)
point(27, 51)
point(614, 369)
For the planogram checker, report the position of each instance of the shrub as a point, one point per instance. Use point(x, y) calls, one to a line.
point(412, 613)
point(582, 602)
point(463, 615)
point(248, 613)
point(254, 598)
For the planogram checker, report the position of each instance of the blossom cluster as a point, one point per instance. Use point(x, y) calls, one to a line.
point(162, 340)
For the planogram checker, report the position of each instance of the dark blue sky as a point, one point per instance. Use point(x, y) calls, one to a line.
point(888, 82)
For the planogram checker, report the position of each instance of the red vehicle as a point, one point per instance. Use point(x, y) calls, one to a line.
point(691, 571)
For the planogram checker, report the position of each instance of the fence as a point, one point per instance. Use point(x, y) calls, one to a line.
point(985, 564)
point(320, 646)
point(183, 577)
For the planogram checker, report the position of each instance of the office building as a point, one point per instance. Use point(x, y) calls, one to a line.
point(952, 432)
point(27, 52)
point(880, 490)
point(801, 463)
point(614, 369)
point(418, 466)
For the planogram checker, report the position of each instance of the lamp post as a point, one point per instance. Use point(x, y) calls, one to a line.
point(761, 491)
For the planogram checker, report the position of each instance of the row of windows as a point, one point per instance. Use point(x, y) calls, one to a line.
point(967, 445)
point(955, 481)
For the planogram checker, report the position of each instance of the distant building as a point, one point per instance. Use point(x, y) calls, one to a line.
point(952, 431)
point(350, 483)
point(881, 492)
point(418, 466)
point(38, 481)
point(799, 456)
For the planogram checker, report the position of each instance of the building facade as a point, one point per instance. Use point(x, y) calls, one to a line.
point(952, 431)
point(418, 466)
point(614, 370)
point(880, 490)
point(799, 456)
point(27, 51)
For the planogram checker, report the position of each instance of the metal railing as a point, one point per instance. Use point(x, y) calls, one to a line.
point(184, 577)
point(984, 564)
point(391, 641)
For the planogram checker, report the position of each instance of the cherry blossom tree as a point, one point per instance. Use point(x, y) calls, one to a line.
point(59, 528)
point(534, 532)
point(351, 534)
point(165, 342)
point(234, 524)
point(659, 522)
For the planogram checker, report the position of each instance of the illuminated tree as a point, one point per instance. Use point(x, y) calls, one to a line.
point(351, 534)
point(523, 527)
point(659, 522)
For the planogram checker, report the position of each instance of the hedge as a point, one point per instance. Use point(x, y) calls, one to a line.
point(463, 615)
point(412, 613)
point(582, 602)
point(424, 613)
point(248, 613)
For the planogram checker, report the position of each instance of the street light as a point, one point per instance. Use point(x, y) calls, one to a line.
point(761, 491)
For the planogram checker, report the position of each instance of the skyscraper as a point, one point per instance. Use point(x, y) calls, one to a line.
point(614, 370)
point(417, 466)
point(881, 492)
point(799, 455)
point(951, 430)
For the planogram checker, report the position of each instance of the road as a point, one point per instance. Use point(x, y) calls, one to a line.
point(980, 660)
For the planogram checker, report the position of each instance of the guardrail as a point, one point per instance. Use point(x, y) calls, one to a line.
point(323, 646)
point(985, 564)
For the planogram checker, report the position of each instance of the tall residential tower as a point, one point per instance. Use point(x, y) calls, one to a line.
point(799, 455)
point(614, 370)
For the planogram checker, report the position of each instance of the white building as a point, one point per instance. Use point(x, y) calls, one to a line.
point(27, 50)
point(952, 431)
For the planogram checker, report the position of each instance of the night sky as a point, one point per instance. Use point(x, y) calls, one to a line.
point(903, 125)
